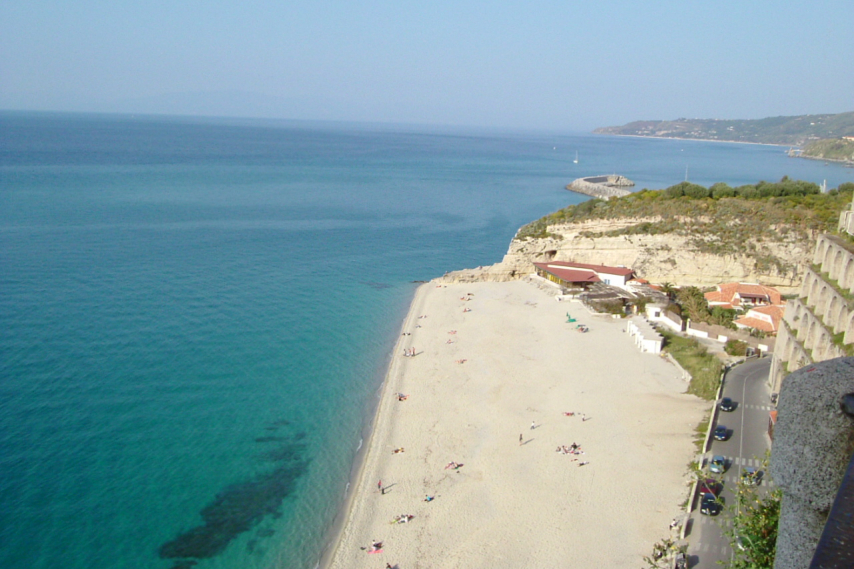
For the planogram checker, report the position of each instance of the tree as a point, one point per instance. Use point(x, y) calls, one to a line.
point(674, 192)
point(753, 533)
point(669, 289)
point(722, 190)
point(694, 303)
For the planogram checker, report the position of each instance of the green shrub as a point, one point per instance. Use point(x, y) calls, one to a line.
point(735, 347)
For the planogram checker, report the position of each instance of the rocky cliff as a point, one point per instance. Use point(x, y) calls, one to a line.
point(679, 259)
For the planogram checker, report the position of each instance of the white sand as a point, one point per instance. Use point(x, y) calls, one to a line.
point(514, 505)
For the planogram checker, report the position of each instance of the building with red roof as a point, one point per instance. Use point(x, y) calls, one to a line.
point(741, 296)
point(582, 275)
point(764, 318)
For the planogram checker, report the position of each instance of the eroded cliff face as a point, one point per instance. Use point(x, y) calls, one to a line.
point(658, 258)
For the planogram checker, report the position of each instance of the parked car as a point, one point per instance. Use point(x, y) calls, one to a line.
point(710, 486)
point(721, 434)
point(710, 505)
point(718, 464)
point(751, 476)
point(727, 404)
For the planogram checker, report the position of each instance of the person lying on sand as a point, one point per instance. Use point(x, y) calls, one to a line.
point(376, 547)
point(397, 450)
point(429, 498)
point(452, 332)
point(569, 414)
point(454, 465)
point(402, 397)
point(461, 361)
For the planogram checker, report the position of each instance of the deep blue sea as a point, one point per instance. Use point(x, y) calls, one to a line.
point(196, 314)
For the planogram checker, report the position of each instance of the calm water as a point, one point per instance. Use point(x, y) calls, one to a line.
point(196, 315)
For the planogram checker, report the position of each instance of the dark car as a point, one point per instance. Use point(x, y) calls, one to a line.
point(727, 404)
point(711, 486)
point(710, 505)
point(751, 476)
point(721, 434)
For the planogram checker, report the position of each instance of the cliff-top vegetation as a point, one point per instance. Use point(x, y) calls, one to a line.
point(838, 149)
point(720, 219)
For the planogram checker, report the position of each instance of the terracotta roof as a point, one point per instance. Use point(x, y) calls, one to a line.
point(773, 312)
point(729, 295)
point(598, 268)
point(569, 275)
point(756, 323)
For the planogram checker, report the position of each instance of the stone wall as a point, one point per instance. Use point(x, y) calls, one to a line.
point(603, 187)
point(813, 442)
point(819, 324)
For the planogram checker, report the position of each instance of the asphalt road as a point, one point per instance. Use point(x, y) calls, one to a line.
point(746, 384)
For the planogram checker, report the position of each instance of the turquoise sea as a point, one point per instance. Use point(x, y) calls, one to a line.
point(197, 313)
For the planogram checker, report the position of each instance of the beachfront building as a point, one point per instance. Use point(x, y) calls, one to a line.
point(763, 318)
point(582, 275)
point(743, 296)
point(645, 337)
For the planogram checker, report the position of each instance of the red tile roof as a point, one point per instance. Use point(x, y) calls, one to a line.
point(598, 268)
point(773, 312)
point(569, 275)
point(756, 323)
point(729, 295)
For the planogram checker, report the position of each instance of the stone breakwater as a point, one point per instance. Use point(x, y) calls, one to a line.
point(603, 187)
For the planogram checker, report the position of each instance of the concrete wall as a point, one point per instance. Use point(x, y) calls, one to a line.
point(813, 322)
point(813, 442)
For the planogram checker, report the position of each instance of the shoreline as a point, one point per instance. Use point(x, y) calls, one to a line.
point(468, 412)
point(369, 435)
point(694, 139)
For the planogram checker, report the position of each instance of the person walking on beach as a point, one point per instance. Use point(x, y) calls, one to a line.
point(520, 439)
point(533, 425)
point(380, 485)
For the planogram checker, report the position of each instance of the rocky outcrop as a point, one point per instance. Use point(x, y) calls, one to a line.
point(657, 258)
point(604, 187)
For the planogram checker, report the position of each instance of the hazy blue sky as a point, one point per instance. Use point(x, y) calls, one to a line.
point(566, 65)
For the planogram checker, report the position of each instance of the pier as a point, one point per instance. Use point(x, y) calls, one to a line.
point(603, 187)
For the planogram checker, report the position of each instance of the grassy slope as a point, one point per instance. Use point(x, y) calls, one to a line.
point(730, 225)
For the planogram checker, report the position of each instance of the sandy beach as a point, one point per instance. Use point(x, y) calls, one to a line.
point(497, 368)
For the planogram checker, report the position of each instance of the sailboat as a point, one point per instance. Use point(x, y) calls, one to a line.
point(576, 158)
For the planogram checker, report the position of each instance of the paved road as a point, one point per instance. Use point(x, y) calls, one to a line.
point(748, 442)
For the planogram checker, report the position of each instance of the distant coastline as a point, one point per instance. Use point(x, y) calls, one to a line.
point(693, 139)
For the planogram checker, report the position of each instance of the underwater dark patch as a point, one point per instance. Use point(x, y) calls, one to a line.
point(235, 510)
point(241, 507)
point(376, 286)
point(269, 439)
point(287, 452)
point(281, 423)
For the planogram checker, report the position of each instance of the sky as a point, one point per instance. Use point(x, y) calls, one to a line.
point(539, 65)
